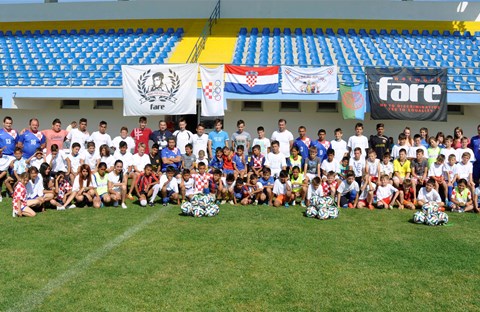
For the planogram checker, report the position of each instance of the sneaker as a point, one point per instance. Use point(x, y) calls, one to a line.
point(390, 207)
point(129, 196)
point(151, 204)
point(124, 206)
point(115, 204)
point(165, 204)
point(303, 204)
point(350, 205)
point(14, 214)
point(231, 202)
point(223, 202)
point(287, 205)
point(60, 208)
point(72, 206)
point(255, 202)
point(371, 207)
point(345, 206)
point(1, 198)
point(294, 203)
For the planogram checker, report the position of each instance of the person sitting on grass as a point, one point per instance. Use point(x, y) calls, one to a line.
point(407, 196)
point(237, 192)
point(63, 189)
point(267, 182)
point(461, 199)
point(169, 187)
point(215, 185)
point(217, 160)
point(251, 191)
point(314, 189)
point(144, 185)
point(100, 182)
point(117, 184)
point(227, 192)
point(330, 184)
point(187, 185)
point(19, 201)
point(386, 194)
point(428, 194)
point(35, 196)
point(240, 162)
point(299, 186)
point(365, 199)
point(282, 189)
point(202, 179)
point(83, 189)
point(17, 166)
point(436, 172)
point(450, 173)
point(401, 168)
point(348, 192)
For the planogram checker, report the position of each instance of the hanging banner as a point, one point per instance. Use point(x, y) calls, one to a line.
point(353, 100)
point(251, 80)
point(159, 89)
point(408, 93)
point(213, 98)
point(309, 80)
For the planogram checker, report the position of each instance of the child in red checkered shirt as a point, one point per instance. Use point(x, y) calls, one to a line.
point(62, 191)
point(202, 179)
point(330, 184)
point(19, 201)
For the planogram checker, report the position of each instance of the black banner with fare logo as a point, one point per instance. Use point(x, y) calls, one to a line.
point(407, 93)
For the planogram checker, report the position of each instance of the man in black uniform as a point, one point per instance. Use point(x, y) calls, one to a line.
point(379, 142)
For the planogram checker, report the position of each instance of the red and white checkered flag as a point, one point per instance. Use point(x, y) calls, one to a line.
point(213, 99)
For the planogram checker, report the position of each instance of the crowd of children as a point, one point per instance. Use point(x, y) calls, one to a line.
point(359, 173)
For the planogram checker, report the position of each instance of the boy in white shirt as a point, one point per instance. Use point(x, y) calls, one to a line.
point(339, 145)
point(101, 136)
point(448, 149)
point(330, 164)
point(275, 160)
point(282, 189)
point(372, 165)
point(366, 193)
point(314, 189)
point(358, 140)
point(125, 138)
point(386, 194)
point(386, 166)
point(348, 192)
point(262, 141)
point(465, 170)
point(417, 144)
point(80, 134)
point(57, 160)
point(450, 173)
point(402, 144)
point(91, 156)
point(139, 161)
point(76, 160)
point(436, 172)
point(357, 164)
point(465, 149)
point(428, 194)
point(182, 135)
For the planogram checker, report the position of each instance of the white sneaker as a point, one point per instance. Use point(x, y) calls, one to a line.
point(14, 214)
point(223, 202)
point(231, 202)
point(72, 206)
point(124, 206)
point(60, 208)
point(1, 198)
point(294, 203)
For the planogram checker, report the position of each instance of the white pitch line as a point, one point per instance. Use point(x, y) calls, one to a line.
point(36, 298)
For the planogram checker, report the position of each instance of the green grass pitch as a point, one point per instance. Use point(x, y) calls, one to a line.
point(245, 259)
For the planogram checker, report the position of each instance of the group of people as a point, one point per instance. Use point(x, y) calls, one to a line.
point(74, 168)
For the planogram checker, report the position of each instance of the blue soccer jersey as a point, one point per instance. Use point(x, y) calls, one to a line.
point(31, 141)
point(238, 161)
point(168, 153)
point(8, 141)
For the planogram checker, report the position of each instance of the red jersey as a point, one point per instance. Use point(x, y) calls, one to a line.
point(141, 136)
point(143, 181)
point(227, 163)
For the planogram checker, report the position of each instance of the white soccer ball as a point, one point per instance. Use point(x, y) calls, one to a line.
point(187, 208)
point(322, 203)
point(210, 212)
point(330, 201)
point(442, 218)
point(430, 207)
point(311, 212)
point(203, 201)
point(333, 212)
point(419, 217)
point(215, 207)
point(315, 200)
point(195, 199)
point(210, 199)
point(323, 214)
point(432, 219)
point(198, 212)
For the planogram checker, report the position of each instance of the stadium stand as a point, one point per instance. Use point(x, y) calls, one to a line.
point(80, 57)
point(352, 50)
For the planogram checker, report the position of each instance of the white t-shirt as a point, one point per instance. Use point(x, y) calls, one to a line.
point(358, 141)
point(452, 170)
point(436, 170)
point(77, 136)
point(76, 183)
point(275, 162)
point(412, 151)
point(280, 188)
point(358, 166)
point(200, 143)
point(460, 152)
point(396, 150)
point(172, 186)
point(189, 186)
point(100, 139)
point(140, 161)
point(312, 191)
point(340, 148)
point(114, 178)
point(126, 158)
point(427, 197)
point(364, 193)
point(386, 168)
point(108, 160)
point(327, 166)
point(91, 159)
point(5, 162)
point(447, 152)
point(284, 139)
point(385, 191)
point(463, 171)
point(183, 138)
point(345, 188)
point(59, 163)
point(35, 188)
point(263, 143)
point(75, 161)
point(373, 167)
point(35, 162)
point(129, 140)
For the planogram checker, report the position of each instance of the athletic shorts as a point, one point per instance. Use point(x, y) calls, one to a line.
point(228, 171)
point(282, 198)
point(386, 200)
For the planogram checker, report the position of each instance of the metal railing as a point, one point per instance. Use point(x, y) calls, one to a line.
point(207, 30)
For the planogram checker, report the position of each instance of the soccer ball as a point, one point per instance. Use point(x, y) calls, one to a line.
point(333, 212)
point(198, 212)
point(432, 219)
point(442, 218)
point(419, 217)
point(330, 201)
point(187, 208)
point(195, 199)
point(203, 201)
point(311, 212)
point(429, 208)
point(215, 207)
point(323, 214)
point(210, 212)
point(322, 203)
point(315, 200)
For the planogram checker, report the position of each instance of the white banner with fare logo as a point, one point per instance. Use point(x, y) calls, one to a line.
point(309, 80)
point(159, 89)
point(213, 98)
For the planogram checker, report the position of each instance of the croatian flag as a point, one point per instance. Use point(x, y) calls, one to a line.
point(251, 80)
